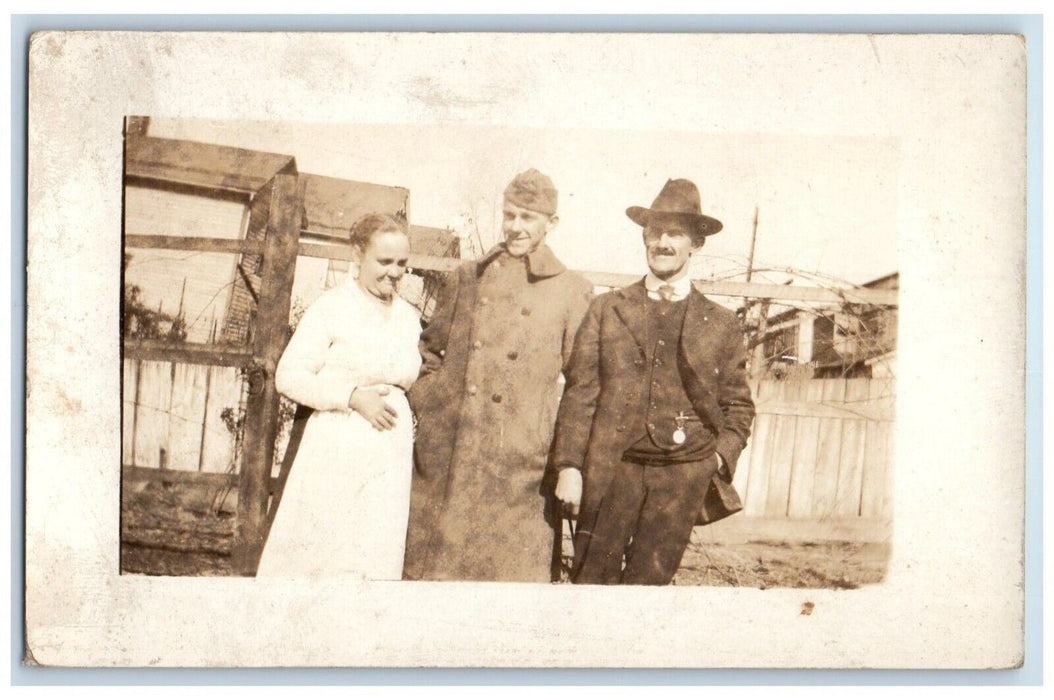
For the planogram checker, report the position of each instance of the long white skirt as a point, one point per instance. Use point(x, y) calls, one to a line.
point(347, 499)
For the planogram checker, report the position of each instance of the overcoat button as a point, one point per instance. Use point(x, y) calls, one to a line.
point(525, 311)
point(478, 344)
point(471, 389)
point(484, 300)
point(651, 426)
point(513, 354)
point(662, 343)
point(619, 428)
point(496, 398)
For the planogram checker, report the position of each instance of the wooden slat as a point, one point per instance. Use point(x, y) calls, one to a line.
point(756, 496)
point(850, 470)
point(151, 424)
point(852, 411)
point(202, 165)
point(828, 453)
point(187, 411)
point(803, 470)
point(191, 353)
point(217, 449)
point(782, 456)
point(741, 478)
point(875, 490)
point(128, 386)
point(193, 243)
point(176, 476)
point(754, 290)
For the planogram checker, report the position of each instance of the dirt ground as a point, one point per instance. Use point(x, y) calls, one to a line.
point(174, 531)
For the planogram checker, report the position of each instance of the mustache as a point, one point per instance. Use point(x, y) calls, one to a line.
point(663, 251)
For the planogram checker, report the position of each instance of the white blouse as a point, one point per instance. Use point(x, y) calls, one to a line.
point(348, 338)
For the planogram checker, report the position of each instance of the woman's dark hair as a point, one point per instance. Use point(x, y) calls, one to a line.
point(368, 226)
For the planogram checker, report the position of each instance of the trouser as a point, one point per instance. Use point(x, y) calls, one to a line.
point(645, 518)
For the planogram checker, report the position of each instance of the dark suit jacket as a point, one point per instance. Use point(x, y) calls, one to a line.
point(604, 396)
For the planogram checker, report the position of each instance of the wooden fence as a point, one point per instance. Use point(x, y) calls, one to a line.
point(819, 462)
point(173, 415)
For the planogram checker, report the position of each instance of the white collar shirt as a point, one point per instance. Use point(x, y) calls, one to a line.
point(681, 287)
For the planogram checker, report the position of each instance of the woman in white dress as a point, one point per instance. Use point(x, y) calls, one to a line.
point(353, 355)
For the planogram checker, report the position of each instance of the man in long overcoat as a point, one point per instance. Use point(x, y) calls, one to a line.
point(656, 409)
point(494, 350)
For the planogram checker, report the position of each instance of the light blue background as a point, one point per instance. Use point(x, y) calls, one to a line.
point(1030, 26)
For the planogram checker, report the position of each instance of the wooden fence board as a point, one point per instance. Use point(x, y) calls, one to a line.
point(828, 452)
point(851, 462)
point(781, 463)
point(756, 494)
point(874, 490)
point(803, 471)
point(853, 411)
point(128, 385)
point(135, 474)
point(186, 415)
point(741, 479)
point(160, 350)
point(217, 448)
point(193, 243)
point(151, 432)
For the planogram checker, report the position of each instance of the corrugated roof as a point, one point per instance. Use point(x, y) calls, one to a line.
point(425, 240)
point(333, 205)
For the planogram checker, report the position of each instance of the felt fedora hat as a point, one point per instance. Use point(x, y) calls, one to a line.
point(680, 199)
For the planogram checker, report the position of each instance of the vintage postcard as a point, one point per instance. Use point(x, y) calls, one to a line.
point(431, 350)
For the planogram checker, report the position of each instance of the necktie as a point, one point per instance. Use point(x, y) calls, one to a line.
point(666, 292)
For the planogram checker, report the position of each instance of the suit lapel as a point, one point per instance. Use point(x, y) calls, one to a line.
point(630, 310)
point(694, 332)
point(696, 318)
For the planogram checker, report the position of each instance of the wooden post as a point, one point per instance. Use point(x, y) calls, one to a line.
point(757, 363)
point(261, 412)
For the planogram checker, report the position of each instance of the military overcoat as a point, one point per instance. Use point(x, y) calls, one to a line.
point(485, 406)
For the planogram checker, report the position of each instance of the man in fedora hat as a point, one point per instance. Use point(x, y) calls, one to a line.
point(656, 408)
point(482, 506)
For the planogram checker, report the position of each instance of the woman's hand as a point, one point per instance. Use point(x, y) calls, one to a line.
point(367, 402)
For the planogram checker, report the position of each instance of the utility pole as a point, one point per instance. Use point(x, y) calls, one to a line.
point(753, 243)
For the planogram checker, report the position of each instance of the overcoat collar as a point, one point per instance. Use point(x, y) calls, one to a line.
point(541, 262)
point(632, 309)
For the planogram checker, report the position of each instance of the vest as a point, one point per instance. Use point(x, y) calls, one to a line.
point(665, 398)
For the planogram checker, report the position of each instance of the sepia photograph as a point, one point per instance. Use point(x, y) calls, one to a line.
point(244, 439)
point(383, 350)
